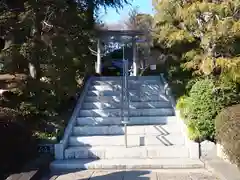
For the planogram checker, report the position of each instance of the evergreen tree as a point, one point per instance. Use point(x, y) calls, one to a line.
point(47, 42)
point(204, 35)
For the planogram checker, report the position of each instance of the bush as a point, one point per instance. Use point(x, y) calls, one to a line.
point(17, 143)
point(228, 132)
point(178, 80)
point(182, 105)
point(206, 99)
point(200, 110)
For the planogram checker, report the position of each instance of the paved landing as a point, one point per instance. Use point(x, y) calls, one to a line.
point(190, 174)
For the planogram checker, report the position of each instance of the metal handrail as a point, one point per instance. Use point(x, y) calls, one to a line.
point(125, 98)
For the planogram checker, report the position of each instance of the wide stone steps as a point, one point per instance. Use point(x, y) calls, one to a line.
point(139, 99)
point(132, 105)
point(144, 120)
point(96, 139)
point(120, 130)
point(164, 163)
point(133, 140)
point(110, 152)
point(132, 112)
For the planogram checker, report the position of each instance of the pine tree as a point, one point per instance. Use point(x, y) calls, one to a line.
point(205, 35)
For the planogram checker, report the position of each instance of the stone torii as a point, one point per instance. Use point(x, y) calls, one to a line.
point(118, 33)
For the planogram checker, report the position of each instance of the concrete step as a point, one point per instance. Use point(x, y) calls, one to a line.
point(131, 130)
point(109, 152)
point(131, 93)
point(133, 105)
point(133, 140)
point(111, 99)
point(132, 112)
point(141, 87)
point(164, 163)
point(103, 93)
point(132, 120)
point(104, 78)
point(105, 87)
point(130, 82)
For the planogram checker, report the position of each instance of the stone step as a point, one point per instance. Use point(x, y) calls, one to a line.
point(103, 93)
point(133, 105)
point(105, 87)
point(104, 78)
point(142, 87)
point(164, 163)
point(120, 130)
point(133, 140)
point(130, 82)
point(132, 120)
point(131, 93)
point(132, 112)
point(111, 99)
point(109, 152)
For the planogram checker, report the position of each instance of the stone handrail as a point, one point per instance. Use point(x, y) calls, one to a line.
point(168, 91)
point(59, 148)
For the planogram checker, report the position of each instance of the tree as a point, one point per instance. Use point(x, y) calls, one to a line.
point(43, 56)
point(94, 5)
point(142, 22)
point(47, 41)
point(139, 21)
point(203, 40)
point(204, 35)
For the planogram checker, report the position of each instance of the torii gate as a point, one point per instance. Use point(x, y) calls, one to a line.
point(118, 33)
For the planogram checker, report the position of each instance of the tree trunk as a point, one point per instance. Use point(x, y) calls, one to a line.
point(90, 13)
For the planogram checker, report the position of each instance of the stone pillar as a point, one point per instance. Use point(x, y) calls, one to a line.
point(135, 63)
point(98, 65)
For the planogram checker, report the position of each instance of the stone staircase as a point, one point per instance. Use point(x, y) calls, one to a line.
point(95, 138)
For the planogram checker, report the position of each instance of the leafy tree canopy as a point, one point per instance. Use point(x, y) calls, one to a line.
point(46, 42)
point(205, 34)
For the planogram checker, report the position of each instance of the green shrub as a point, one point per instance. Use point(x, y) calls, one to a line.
point(201, 110)
point(17, 143)
point(178, 79)
point(193, 131)
point(182, 105)
point(228, 132)
point(227, 92)
point(206, 99)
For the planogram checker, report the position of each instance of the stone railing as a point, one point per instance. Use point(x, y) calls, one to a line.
point(168, 91)
point(194, 150)
point(61, 146)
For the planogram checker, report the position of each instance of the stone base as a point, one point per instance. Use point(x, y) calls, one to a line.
point(222, 154)
point(193, 146)
point(171, 163)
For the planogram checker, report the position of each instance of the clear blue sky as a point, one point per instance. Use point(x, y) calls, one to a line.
point(111, 16)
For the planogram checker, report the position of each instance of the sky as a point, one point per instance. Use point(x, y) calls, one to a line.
point(111, 16)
